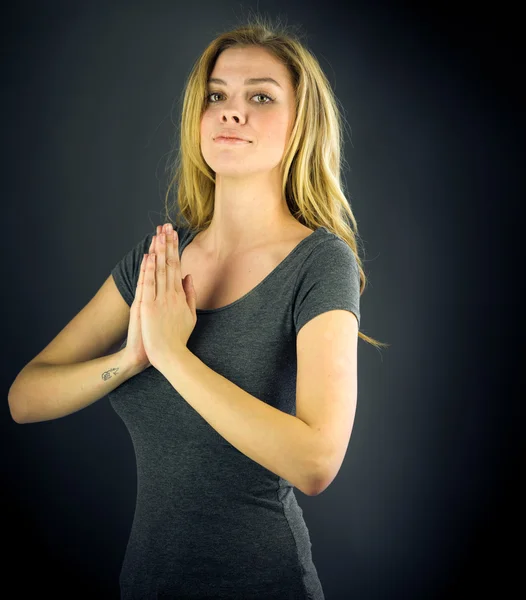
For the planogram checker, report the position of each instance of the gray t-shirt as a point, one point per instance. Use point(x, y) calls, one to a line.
point(210, 522)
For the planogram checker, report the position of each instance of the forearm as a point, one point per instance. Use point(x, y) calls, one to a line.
point(42, 392)
point(280, 442)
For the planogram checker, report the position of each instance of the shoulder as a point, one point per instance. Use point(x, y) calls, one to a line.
point(332, 252)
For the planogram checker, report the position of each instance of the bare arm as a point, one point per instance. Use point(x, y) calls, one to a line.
point(42, 391)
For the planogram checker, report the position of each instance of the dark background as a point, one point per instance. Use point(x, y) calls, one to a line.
point(426, 504)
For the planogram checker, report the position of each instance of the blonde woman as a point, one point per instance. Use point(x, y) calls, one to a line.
point(237, 376)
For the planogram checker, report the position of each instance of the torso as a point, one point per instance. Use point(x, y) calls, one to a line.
point(217, 286)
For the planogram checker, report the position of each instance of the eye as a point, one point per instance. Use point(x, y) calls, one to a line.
point(268, 101)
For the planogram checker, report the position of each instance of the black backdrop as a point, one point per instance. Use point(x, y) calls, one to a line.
point(426, 504)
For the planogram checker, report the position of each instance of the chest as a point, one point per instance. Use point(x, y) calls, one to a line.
point(219, 285)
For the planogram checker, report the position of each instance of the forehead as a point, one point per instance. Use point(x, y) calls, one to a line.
point(234, 65)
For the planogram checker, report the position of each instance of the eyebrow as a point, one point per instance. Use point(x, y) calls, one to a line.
point(251, 81)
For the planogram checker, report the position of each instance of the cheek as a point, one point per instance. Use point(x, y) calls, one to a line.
point(206, 120)
point(276, 128)
point(203, 125)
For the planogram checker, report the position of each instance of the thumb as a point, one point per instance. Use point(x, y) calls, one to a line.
point(191, 296)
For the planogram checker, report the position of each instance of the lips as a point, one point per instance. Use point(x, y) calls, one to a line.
point(231, 135)
point(223, 137)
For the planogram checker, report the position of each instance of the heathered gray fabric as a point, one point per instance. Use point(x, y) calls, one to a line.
point(209, 521)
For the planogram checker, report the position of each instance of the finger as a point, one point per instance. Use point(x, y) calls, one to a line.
point(170, 258)
point(155, 240)
point(148, 291)
point(140, 282)
point(178, 283)
point(160, 267)
point(146, 265)
point(151, 249)
point(191, 296)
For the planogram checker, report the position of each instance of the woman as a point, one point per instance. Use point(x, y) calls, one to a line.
point(216, 515)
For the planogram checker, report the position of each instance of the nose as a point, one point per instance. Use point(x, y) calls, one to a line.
point(228, 115)
point(231, 113)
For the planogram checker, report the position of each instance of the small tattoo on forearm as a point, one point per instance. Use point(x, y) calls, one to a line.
point(108, 374)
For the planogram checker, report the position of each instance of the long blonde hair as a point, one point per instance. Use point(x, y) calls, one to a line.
point(311, 163)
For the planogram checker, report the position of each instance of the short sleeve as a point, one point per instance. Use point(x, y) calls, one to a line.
point(126, 271)
point(329, 279)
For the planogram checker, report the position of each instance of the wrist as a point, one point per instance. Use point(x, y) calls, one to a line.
point(129, 365)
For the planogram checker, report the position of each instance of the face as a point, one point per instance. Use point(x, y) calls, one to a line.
point(260, 112)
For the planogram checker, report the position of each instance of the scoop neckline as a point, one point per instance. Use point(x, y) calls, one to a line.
point(277, 268)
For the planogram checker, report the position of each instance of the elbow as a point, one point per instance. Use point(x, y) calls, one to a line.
point(316, 484)
point(17, 418)
point(316, 481)
point(16, 409)
point(319, 485)
point(323, 475)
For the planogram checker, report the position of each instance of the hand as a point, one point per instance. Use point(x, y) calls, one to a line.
point(134, 350)
point(168, 303)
